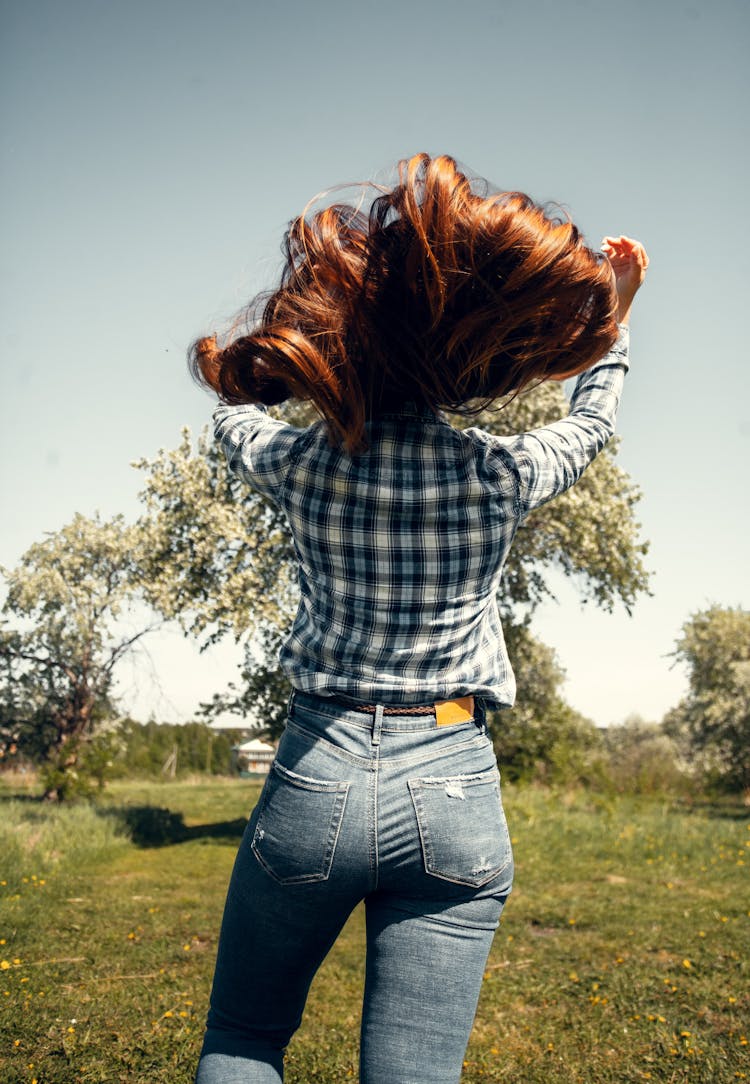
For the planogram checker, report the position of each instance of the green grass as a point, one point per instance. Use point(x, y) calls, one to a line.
point(622, 955)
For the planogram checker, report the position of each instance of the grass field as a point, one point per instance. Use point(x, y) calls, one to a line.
point(622, 955)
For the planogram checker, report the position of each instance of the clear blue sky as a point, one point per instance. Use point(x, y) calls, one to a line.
point(153, 153)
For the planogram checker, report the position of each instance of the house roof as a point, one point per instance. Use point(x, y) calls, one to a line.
point(255, 745)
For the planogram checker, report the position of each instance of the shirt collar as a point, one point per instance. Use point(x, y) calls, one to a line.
point(410, 408)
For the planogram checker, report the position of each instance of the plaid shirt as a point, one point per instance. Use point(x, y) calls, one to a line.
point(401, 549)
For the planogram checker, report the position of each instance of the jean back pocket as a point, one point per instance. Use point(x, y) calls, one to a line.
point(298, 826)
point(462, 827)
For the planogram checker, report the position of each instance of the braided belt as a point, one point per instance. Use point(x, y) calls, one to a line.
point(424, 709)
point(446, 712)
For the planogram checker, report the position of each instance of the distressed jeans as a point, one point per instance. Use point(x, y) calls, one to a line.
point(390, 809)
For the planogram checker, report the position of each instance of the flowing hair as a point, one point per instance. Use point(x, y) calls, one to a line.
point(436, 293)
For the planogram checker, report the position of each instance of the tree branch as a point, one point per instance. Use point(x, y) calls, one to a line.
point(121, 648)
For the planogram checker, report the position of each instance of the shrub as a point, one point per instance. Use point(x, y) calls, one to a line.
point(640, 758)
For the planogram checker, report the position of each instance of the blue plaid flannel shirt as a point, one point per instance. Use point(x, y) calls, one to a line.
point(401, 549)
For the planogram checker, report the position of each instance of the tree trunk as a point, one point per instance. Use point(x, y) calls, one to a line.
point(71, 727)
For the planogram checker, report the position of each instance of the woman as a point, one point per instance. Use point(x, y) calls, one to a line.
point(385, 787)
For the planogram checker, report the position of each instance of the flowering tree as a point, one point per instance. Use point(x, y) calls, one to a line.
point(712, 723)
point(64, 631)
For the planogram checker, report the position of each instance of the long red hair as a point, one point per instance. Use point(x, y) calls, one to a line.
point(436, 293)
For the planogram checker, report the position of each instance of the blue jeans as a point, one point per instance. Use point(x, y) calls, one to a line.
point(390, 809)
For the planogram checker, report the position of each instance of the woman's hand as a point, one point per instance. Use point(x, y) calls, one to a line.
point(629, 262)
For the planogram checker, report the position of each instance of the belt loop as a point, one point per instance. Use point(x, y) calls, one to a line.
point(377, 724)
point(480, 715)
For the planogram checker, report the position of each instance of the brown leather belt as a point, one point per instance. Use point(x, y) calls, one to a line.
point(446, 712)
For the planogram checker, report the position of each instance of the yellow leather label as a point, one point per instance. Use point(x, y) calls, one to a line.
point(450, 712)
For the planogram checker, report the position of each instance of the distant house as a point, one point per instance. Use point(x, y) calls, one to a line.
point(253, 757)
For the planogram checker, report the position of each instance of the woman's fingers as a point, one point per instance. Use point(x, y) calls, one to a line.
point(625, 246)
point(622, 251)
point(642, 254)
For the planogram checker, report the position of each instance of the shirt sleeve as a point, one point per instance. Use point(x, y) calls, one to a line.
point(551, 459)
point(258, 448)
